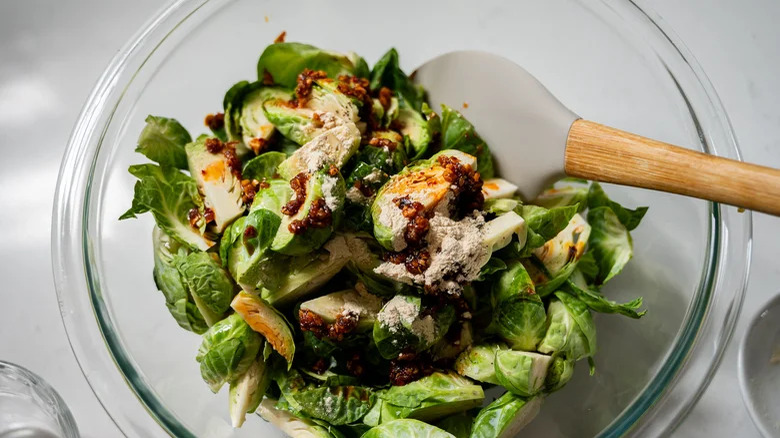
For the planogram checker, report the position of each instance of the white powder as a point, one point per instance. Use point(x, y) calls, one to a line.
point(315, 159)
point(392, 216)
point(425, 328)
point(361, 303)
point(355, 195)
point(329, 120)
point(375, 176)
point(359, 251)
point(328, 189)
point(457, 252)
point(398, 312)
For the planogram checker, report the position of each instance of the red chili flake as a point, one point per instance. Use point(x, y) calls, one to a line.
point(229, 151)
point(467, 184)
point(319, 215)
point(364, 189)
point(316, 121)
point(250, 232)
point(320, 366)
point(263, 184)
point(333, 170)
point(280, 38)
point(418, 262)
point(409, 367)
point(383, 142)
point(215, 122)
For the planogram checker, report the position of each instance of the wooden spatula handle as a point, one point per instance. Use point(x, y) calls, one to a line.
point(601, 153)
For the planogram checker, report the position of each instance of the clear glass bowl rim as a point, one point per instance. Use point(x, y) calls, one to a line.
point(707, 329)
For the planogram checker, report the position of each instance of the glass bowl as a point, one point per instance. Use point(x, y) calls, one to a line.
point(610, 61)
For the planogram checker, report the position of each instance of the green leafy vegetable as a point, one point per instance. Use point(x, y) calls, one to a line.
point(263, 166)
point(505, 417)
point(387, 73)
point(284, 61)
point(458, 133)
point(610, 243)
point(571, 329)
point(458, 425)
point(522, 373)
point(433, 397)
point(400, 325)
point(598, 303)
point(169, 195)
point(519, 315)
point(629, 218)
point(337, 405)
point(406, 428)
point(209, 285)
point(162, 140)
point(478, 362)
point(228, 349)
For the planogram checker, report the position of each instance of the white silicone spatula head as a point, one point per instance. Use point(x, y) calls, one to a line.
point(523, 123)
point(536, 140)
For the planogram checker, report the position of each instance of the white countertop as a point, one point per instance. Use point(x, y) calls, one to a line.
point(53, 51)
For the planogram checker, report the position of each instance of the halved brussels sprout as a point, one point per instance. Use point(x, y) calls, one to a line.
point(400, 325)
point(290, 424)
point(169, 282)
point(519, 316)
point(228, 349)
point(267, 321)
point(571, 329)
point(432, 397)
point(498, 188)
point(329, 307)
point(423, 182)
point(324, 196)
point(334, 146)
point(560, 255)
point(412, 126)
point(562, 197)
point(459, 338)
point(210, 287)
point(478, 362)
point(247, 391)
point(337, 405)
point(521, 372)
point(406, 428)
point(500, 231)
point(505, 417)
point(245, 120)
point(560, 372)
point(220, 186)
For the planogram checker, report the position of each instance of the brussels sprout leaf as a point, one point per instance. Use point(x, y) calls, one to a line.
point(629, 218)
point(609, 242)
point(162, 140)
point(263, 166)
point(387, 73)
point(458, 133)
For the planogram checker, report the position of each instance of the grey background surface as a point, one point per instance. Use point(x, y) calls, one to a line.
point(52, 52)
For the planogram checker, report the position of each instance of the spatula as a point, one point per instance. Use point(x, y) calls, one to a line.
point(536, 140)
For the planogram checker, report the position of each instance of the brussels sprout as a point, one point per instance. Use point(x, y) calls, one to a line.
point(209, 285)
point(498, 188)
point(458, 425)
point(560, 255)
point(560, 372)
point(406, 428)
point(267, 321)
point(169, 282)
point(263, 166)
point(285, 61)
point(563, 197)
point(323, 191)
point(290, 424)
point(500, 231)
point(629, 218)
point(519, 312)
point(215, 179)
point(400, 326)
point(423, 182)
point(571, 329)
point(458, 133)
point(329, 378)
point(247, 391)
point(412, 126)
point(610, 243)
point(459, 338)
point(170, 195)
point(547, 222)
point(245, 120)
point(228, 349)
point(433, 397)
point(334, 146)
point(563, 251)
point(337, 405)
point(521, 372)
point(478, 362)
point(505, 417)
point(246, 245)
point(162, 140)
point(500, 206)
point(298, 276)
point(363, 306)
point(365, 258)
